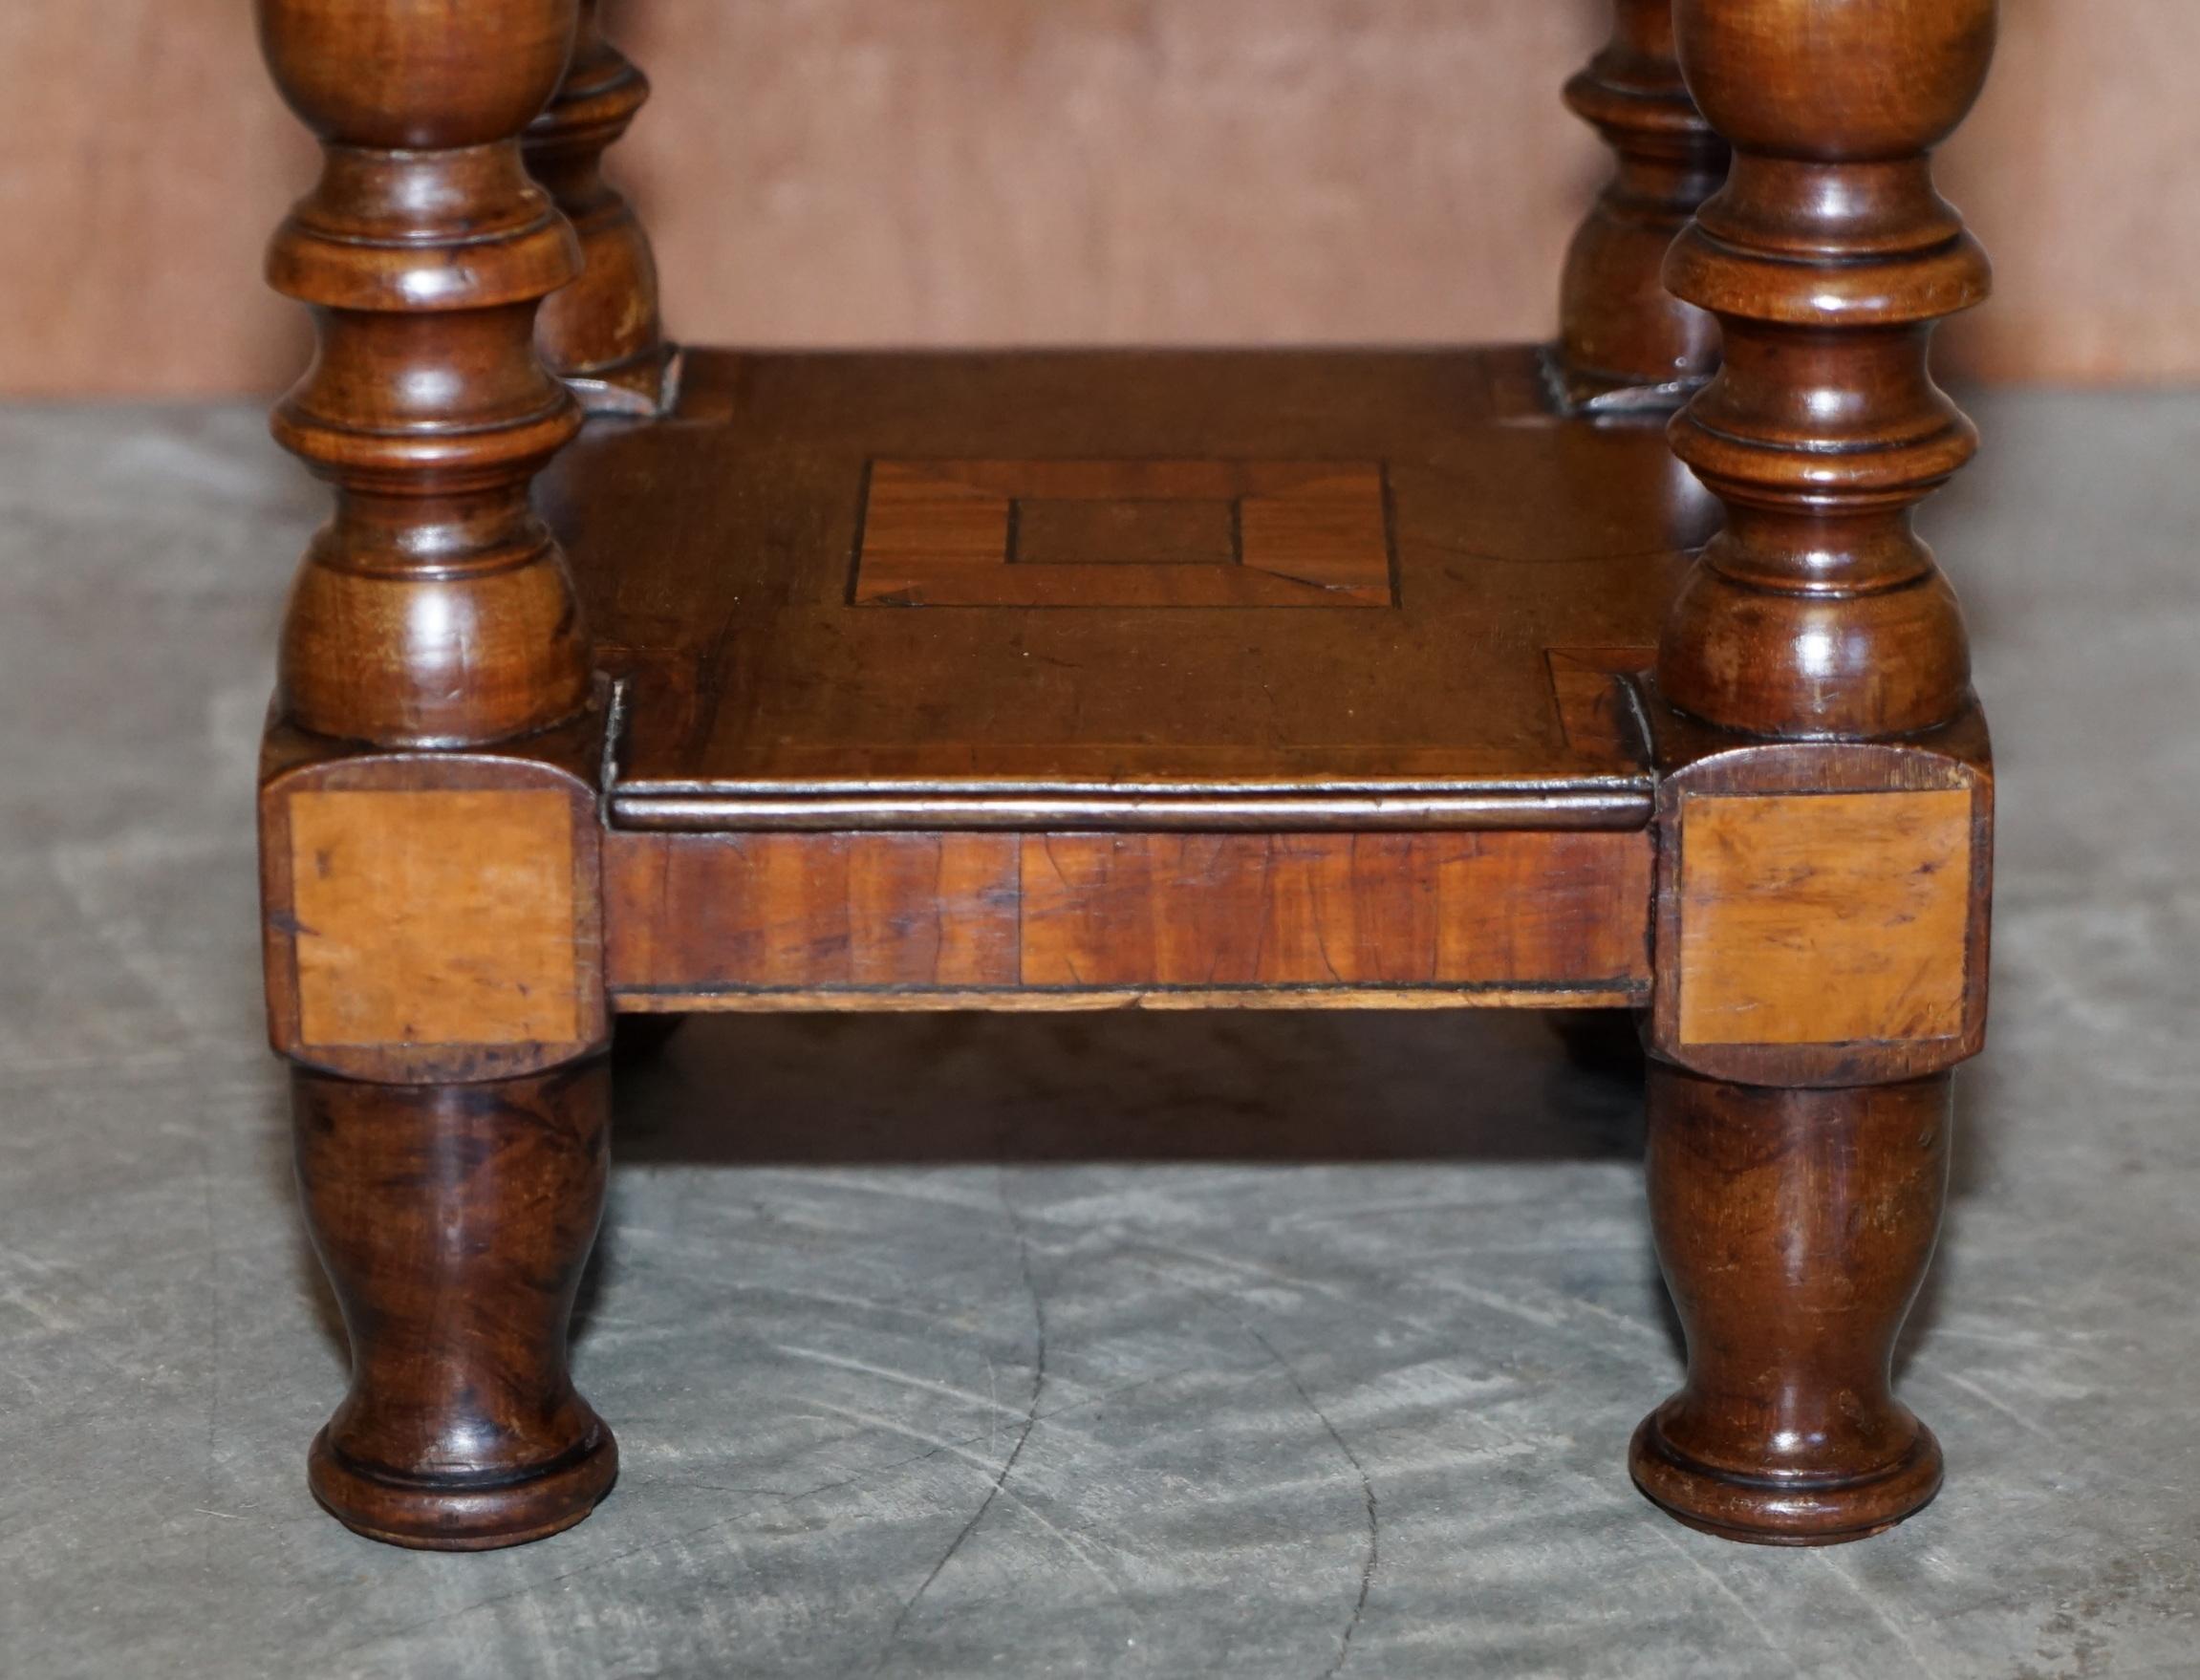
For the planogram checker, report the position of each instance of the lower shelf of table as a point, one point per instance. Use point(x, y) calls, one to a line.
point(1049, 680)
point(1344, 591)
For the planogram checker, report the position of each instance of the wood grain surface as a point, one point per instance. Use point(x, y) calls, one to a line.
point(435, 917)
point(1824, 918)
point(1124, 533)
point(1003, 920)
point(714, 559)
point(1120, 170)
point(1838, 907)
point(431, 916)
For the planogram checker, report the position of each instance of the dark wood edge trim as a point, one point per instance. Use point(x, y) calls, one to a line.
point(1041, 1000)
point(1619, 805)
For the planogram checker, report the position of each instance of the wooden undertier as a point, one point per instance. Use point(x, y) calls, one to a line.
point(1054, 680)
point(1079, 681)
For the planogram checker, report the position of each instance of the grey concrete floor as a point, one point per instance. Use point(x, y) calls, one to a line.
point(1268, 1345)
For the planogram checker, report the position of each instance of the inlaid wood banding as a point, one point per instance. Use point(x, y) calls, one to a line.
point(1125, 533)
point(1011, 921)
point(433, 916)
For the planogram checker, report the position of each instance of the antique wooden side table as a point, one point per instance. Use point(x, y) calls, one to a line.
point(1078, 680)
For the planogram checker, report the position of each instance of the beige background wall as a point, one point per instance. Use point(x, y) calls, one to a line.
point(834, 171)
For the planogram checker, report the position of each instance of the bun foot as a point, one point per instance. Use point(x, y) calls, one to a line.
point(454, 1221)
point(1781, 1508)
point(1794, 1228)
point(469, 1514)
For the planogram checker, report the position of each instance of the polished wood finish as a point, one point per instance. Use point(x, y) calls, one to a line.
point(1828, 258)
point(1015, 922)
point(1621, 336)
point(1784, 928)
point(1125, 533)
point(1411, 180)
point(1817, 919)
point(797, 912)
point(1323, 910)
point(1794, 1228)
point(433, 609)
point(402, 937)
point(752, 688)
point(605, 331)
point(431, 909)
point(432, 915)
point(1078, 680)
point(1566, 1002)
point(1826, 789)
point(453, 1221)
point(1598, 694)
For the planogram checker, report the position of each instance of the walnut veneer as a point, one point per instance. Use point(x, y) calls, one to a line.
point(1071, 680)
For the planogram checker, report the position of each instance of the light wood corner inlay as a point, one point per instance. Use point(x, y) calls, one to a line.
point(1824, 918)
point(435, 917)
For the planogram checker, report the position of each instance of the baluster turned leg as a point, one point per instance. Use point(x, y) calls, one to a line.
point(1620, 329)
point(1825, 811)
point(1794, 1227)
point(435, 609)
point(430, 917)
point(604, 332)
point(454, 1221)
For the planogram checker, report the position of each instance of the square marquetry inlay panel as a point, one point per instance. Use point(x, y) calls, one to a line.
point(436, 916)
point(1824, 918)
point(1125, 533)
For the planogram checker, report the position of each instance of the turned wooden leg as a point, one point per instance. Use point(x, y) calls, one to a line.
point(604, 332)
point(429, 834)
point(1794, 1228)
point(1827, 259)
point(1621, 333)
point(454, 1221)
point(1825, 790)
point(434, 610)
